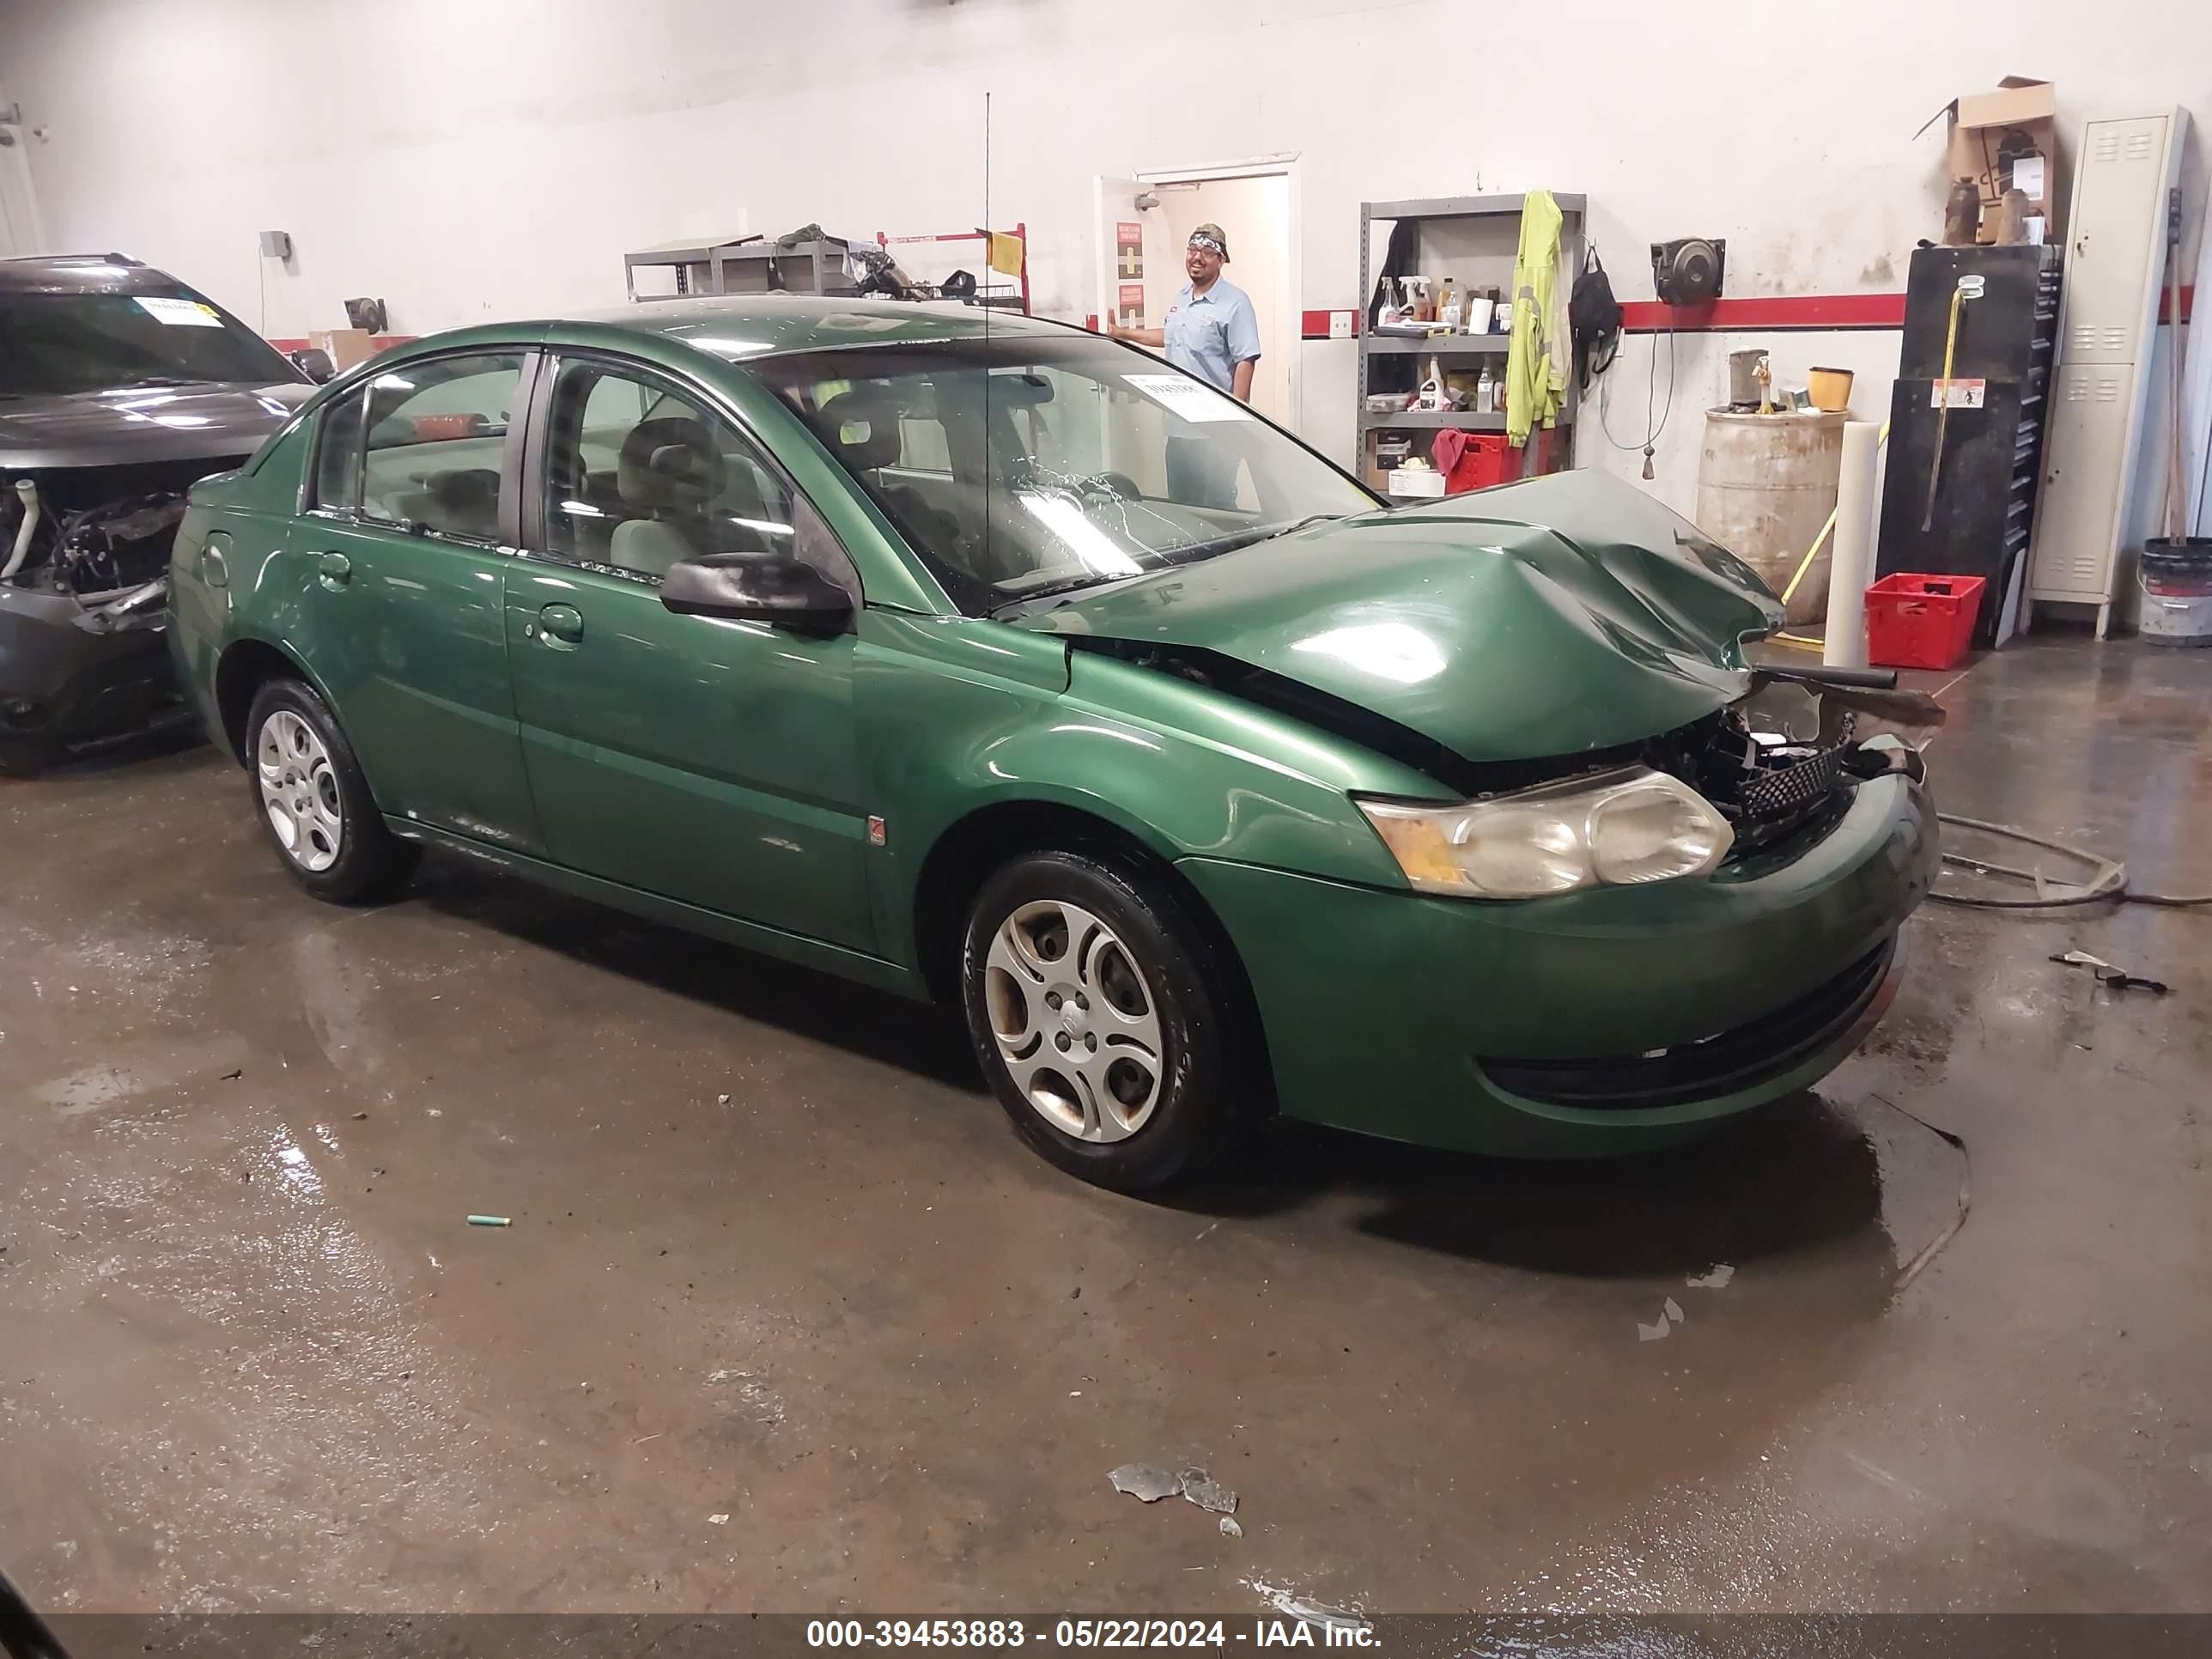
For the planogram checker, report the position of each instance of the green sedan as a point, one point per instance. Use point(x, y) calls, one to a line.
point(984, 660)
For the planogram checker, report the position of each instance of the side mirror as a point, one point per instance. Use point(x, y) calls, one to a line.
point(315, 363)
point(770, 587)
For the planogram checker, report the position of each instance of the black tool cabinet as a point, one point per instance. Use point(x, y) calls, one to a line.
point(1992, 455)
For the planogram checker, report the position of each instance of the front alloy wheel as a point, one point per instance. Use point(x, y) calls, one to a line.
point(1101, 1013)
point(1075, 1026)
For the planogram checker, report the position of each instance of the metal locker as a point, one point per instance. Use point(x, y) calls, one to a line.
point(2121, 194)
point(2074, 522)
point(2127, 170)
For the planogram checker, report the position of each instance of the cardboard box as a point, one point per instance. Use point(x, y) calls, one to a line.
point(1417, 484)
point(347, 346)
point(2005, 137)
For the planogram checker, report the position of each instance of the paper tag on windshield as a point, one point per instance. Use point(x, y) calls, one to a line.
point(1193, 400)
point(178, 314)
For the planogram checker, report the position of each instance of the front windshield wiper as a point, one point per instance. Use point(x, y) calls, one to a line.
point(1170, 559)
point(1055, 590)
point(1235, 539)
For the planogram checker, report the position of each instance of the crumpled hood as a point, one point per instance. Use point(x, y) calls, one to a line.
point(1563, 614)
point(146, 423)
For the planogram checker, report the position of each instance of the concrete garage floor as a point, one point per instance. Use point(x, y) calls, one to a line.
point(251, 1356)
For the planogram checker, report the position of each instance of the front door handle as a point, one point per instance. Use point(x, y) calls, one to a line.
point(336, 568)
point(563, 622)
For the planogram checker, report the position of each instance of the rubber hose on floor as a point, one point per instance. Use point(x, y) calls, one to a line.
point(2109, 883)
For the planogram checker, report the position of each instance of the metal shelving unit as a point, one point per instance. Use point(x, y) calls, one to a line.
point(1442, 345)
point(1431, 420)
point(1472, 239)
point(754, 265)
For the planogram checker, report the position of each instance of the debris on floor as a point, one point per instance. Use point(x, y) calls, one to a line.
point(1203, 1490)
point(1927, 1252)
point(1305, 1610)
point(1673, 1309)
point(1229, 1528)
point(2112, 978)
point(1149, 1483)
point(718, 1520)
point(1716, 1280)
point(489, 1221)
point(1652, 1332)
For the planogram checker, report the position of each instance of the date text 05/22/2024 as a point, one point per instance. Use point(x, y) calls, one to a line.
point(1087, 1633)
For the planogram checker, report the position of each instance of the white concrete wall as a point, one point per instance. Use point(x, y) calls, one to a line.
point(469, 159)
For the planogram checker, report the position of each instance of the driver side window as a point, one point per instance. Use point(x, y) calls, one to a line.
point(639, 477)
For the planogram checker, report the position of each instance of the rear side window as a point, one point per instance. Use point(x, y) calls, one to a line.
point(423, 446)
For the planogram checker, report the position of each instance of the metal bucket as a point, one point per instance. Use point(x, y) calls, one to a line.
point(2176, 579)
point(1766, 486)
point(1743, 375)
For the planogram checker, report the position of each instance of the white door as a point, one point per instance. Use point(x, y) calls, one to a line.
point(2077, 516)
point(19, 209)
point(2118, 235)
point(2196, 395)
point(1132, 246)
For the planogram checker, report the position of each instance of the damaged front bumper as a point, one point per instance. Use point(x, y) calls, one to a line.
point(83, 607)
point(1599, 1022)
point(74, 676)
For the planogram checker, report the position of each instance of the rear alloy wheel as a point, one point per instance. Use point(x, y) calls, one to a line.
point(300, 791)
point(316, 803)
point(1093, 1004)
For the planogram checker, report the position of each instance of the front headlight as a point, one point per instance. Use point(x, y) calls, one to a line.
point(1614, 830)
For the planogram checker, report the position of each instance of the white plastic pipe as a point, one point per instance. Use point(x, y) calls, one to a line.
point(1850, 563)
point(26, 492)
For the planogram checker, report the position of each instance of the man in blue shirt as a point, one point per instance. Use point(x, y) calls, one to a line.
point(1212, 332)
point(1211, 329)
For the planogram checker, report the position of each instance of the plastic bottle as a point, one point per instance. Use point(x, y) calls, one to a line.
point(1485, 394)
point(1394, 307)
point(1449, 307)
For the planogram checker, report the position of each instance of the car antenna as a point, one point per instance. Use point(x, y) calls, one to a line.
point(990, 556)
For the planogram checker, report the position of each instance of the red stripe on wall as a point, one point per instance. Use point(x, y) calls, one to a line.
point(1773, 311)
point(376, 341)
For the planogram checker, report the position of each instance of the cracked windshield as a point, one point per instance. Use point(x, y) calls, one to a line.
point(1021, 472)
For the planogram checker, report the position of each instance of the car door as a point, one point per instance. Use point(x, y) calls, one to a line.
point(703, 759)
point(403, 553)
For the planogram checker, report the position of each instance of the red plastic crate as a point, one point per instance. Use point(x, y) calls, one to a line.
point(1922, 621)
point(1488, 459)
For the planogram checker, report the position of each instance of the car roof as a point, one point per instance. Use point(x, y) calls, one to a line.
point(82, 273)
point(764, 325)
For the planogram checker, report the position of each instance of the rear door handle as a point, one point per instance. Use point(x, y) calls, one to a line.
point(563, 622)
point(336, 568)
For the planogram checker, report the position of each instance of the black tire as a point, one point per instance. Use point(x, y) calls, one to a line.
point(1200, 1099)
point(371, 863)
